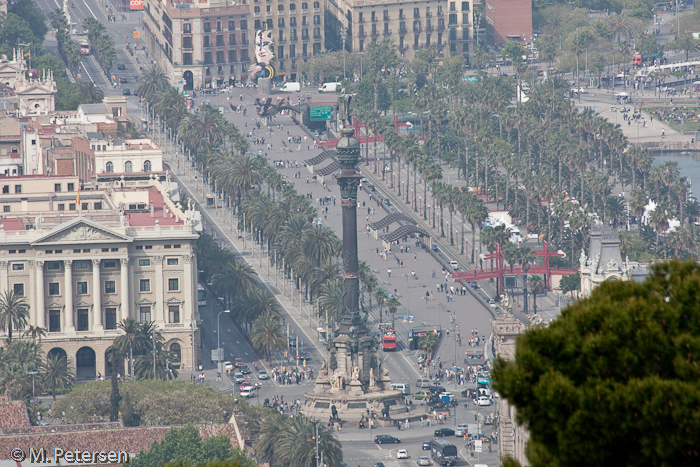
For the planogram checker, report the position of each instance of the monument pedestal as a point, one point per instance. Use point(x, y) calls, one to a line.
point(265, 86)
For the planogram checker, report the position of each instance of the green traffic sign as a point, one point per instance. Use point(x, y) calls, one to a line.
point(320, 112)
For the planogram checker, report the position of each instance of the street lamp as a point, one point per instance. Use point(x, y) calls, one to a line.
point(33, 374)
point(218, 340)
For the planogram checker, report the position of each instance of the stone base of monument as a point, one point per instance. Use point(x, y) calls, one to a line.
point(265, 86)
point(351, 406)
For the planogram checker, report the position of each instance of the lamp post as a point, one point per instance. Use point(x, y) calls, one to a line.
point(360, 54)
point(218, 340)
point(33, 374)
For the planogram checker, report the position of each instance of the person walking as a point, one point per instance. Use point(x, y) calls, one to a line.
point(388, 271)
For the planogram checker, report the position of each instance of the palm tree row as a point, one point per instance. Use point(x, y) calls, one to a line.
point(67, 47)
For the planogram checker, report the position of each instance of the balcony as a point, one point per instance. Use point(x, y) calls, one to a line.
point(428, 15)
point(375, 34)
point(360, 20)
point(441, 27)
point(304, 38)
point(417, 28)
point(416, 15)
point(374, 20)
point(387, 33)
point(403, 30)
point(429, 28)
point(317, 37)
point(257, 15)
point(361, 35)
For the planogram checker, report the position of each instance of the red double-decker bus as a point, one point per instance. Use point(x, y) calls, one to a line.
point(388, 340)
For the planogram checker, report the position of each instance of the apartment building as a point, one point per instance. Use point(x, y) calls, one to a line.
point(199, 44)
point(411, 25)
point(297, 30)
point(85, 260)
point(509, 20)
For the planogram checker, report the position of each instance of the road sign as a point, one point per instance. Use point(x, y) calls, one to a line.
point(477, 445)
point(320, 112)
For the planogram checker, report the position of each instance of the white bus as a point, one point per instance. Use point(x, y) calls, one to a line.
point(201, 295)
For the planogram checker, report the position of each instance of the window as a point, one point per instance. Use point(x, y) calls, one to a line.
point(207, 27)
point(207, 58)
point(81, 264)
point(187, 42)
point(280, 8)
point(110, 287)
point(53, 265)
point(6, 209)
point(71, 207)
point(149, 247)
point(18, 188)
point(177, 245)
point(57, 187)
point(145, 314)
point(231, 25)
point(18, 266)
point(19, 289)
point(218, 25)
point(317, 6)
point(110, 318)
point(293, 23)
point(82, 319)
point(465, 6)
point(232, 56)
point(244, 24)
point(109, 167)
point(81, 288)
point(220, 57)
point(292, 7)
point(280, 23)
point(98, 205)
point(187, 28)
point(71, 187)
point(54, 320)
point(174, 314)
point(22, 250)
point(176, 352)
point(453, 6)
point(386, 15)
point(6, 188)
point(173, 261)
point(144, 285)
point(304, 6)
point(128, 167)
point(77, 250)
point(54, 288)
point(84, 206)
point(219, 40)
point(173, 284)
point(187, 59)
point(144, 262)
point(206, 41)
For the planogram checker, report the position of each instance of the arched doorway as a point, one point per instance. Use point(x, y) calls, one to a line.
point(58, 352)
point(189, 81)
point(176, 352)
point(85, 362)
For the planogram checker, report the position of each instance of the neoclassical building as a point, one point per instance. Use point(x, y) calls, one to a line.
point(85, 260)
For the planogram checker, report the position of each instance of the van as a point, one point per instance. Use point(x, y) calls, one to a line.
point(329, 87)
point(290, 86)
point(423, 383)
point(454, 265)
point(403, 387)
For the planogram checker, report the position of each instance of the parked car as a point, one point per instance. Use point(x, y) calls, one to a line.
point(442, 432)
point(262, 374)
point(424, 460)
point(386, 439)
point(402, 454)
point(426, 446)
point(121, 66)
point(123, 80)
point(437, 389)
point(462, 429)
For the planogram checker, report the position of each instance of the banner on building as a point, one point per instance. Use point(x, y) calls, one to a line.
point(136, 5)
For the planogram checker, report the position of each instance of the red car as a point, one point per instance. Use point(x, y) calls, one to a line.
point(238, 362)
point(123, 80)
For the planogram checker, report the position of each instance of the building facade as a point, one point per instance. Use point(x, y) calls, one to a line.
point(509, 20)
point(199, 44)
point(85, 260)
point(411, 25)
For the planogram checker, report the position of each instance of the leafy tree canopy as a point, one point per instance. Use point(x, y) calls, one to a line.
point(36, 20)
point(185, 447)
point(614, 380)
point(365, 95)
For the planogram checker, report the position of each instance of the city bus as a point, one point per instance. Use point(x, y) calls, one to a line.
point(388, 340)
point(84, 47)
point(201, 295)
point(443, 452)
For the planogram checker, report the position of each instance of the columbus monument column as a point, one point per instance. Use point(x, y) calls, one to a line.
point(352, 380)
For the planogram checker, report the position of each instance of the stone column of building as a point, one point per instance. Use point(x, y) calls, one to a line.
point(159, 315)
point(187, 312)
point(124, 290)
point(40, 319)
point(96, 296)
point(68, 286)
point(31, 292)
point(3, 275)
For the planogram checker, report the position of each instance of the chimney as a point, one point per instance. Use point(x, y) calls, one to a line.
point(151, 208)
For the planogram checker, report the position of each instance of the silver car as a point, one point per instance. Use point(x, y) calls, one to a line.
point(424, 460)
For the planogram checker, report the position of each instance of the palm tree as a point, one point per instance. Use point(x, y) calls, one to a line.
point(266, 446)
point(526, 257)
point(381, 296)
point(257, 303)
point(34, 332)
point(535, 282)
point(332, 298)
point(510, 255)
point(428, 342)
point(371, 282)
point(392, 304)
point(129, 342)
point(14, 311)
point(298, 440)
point(267, 335)
point(143, 369)
point(56, 373)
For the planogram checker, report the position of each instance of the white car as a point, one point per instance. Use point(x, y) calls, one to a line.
point(461, 429)
point(228, 366)
point(402, 454)
point(424, 460)
point(483, 400)
point(248, 392)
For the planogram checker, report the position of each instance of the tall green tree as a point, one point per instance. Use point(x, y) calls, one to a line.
point(599, 383)
point(14, 311)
